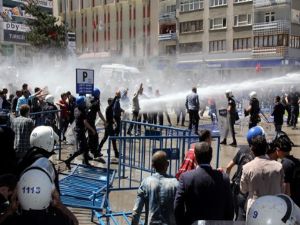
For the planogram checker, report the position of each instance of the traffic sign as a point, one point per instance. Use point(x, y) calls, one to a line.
point(84, 81)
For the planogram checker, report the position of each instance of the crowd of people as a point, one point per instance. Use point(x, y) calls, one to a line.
point(203, 193)
point(31, 124)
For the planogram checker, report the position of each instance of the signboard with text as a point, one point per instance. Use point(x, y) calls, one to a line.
point(15, 27)
point(14, 36)
point(84, 81)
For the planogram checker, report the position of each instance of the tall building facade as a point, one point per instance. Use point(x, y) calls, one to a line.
point(13, 28)
point(225, 34)
point(125, 28)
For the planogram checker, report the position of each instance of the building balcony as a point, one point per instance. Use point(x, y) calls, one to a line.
point(274, 27)
point(267, 3)
point(44, 4)
point(167, 37)
point(277, 51)
point(167, 16)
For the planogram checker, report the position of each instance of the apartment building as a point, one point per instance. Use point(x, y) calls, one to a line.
point(13, 28)
point(225, 34)
point(107, 28)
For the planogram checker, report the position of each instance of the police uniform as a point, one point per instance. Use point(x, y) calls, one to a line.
point(109, 129)
point(231, 116)
point(91, 118)
point(293, 99)
point(254, 113)
point(80, 116)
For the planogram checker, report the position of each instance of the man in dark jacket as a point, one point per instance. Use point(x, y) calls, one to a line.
point(117, 113)
point(203, 193)
point(278, 113)
point(109, 128)
point(93, 110)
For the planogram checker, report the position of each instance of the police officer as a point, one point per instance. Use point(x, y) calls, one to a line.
point(293, 100)
point(109, 128)
point(39, 200)
point(81, 124)
point(192, 105)
point(93, 110)
point(253, 109)
point(50, 117)
point(117, 111)
point(42, 140)
point(231, 117)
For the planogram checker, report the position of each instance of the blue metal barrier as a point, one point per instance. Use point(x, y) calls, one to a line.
point(86, 187)
point(116, 218)
point(136, 151)
point(41, 121)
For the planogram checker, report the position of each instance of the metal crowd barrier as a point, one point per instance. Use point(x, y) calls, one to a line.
point(136, 151)
point(38, 118)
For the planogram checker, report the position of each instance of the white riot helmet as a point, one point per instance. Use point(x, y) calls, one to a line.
point(35, 189)
point(228, 93)
point(273, 210)
point(252, 95)
point(49, 99)
point(43, 137)
point(88, 101)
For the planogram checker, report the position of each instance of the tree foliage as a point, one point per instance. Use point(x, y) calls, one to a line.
point(45, 33)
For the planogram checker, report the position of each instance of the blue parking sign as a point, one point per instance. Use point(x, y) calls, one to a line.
point(84, 81)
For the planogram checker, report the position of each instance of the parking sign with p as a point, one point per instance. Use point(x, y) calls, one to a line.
point(84, 81)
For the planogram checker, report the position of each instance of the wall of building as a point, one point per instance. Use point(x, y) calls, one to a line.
point(126, 28)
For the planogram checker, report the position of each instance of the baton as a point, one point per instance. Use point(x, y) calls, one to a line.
point(264, 116)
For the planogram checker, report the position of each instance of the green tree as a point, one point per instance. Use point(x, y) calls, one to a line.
point(45, 32)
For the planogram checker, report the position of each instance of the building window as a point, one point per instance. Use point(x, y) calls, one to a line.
point(217, 23)
point(295, 42)
point(269, 17)
point(215, 3)
point(242, 20)
point(191, 26)
point(242, 44)
point(271, 40)
point(190, 47)
point(171, 8)
point(217, 46)
point(167, 29)
point(241, 1)
point(191, 5)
